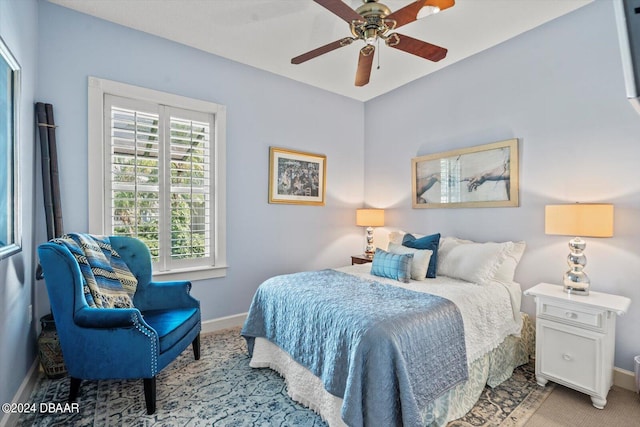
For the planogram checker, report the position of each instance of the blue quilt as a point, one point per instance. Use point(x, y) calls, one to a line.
point(386, 351)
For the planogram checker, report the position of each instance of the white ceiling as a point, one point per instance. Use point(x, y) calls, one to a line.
point(266, 34)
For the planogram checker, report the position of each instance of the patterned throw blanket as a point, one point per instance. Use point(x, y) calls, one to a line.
point(386, 351)
point(107, 281)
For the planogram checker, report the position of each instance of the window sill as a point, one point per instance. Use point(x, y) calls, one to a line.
point(199, 273)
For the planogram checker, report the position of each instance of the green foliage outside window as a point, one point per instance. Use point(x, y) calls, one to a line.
point(137, 209)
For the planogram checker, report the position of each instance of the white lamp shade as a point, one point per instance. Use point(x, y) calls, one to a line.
point(370, 217)
point(579, 219)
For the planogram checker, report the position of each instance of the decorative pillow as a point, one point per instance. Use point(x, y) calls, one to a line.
point(420, 263)
point(477, 262)
point(427, 242)
point(392, 266)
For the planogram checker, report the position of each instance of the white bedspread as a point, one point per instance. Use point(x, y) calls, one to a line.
point(486, 310)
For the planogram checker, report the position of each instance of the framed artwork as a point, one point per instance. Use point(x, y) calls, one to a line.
point(480, 176)
point(296, 177)
point(10, 239)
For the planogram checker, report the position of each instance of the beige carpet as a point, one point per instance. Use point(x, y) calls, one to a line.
point(568, 408)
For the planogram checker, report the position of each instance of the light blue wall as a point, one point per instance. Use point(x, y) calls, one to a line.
point(18, 29)
point(262, 110)
point(559, 89)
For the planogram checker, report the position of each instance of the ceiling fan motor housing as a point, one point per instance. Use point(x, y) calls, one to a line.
point(373, 8)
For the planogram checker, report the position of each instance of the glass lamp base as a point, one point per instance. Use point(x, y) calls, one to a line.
point(576, 280)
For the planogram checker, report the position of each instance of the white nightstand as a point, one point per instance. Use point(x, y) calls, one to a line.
point(575, 339)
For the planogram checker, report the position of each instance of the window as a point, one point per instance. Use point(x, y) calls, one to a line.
point(9, 177)
point(161, 177)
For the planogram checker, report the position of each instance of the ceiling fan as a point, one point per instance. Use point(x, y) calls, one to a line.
point(373, 21)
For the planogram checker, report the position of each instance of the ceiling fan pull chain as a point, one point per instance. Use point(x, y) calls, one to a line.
point(379, 53)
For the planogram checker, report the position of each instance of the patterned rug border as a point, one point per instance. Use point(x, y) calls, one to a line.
point(528, 406)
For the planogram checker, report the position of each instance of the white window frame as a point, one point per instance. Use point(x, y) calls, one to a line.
point(11, 169)
point(99, 188)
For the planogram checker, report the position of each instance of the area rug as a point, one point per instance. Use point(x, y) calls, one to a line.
point(222, 390)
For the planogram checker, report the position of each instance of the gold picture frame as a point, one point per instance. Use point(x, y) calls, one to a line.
point(481, 176)
point(296, 177)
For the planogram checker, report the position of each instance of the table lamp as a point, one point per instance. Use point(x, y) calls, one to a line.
point(580, 220)
point(370, 218)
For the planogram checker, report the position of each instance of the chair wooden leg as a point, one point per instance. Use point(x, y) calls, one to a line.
point(74, 388)
point(150, 394)
point(196, 347)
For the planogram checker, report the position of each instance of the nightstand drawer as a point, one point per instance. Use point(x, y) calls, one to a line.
point(569, 355)
point(574, 314)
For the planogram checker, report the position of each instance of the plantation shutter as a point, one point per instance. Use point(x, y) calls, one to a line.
point(190, 186)
point(160, 180)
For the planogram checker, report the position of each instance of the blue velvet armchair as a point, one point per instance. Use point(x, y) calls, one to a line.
point(120, 343)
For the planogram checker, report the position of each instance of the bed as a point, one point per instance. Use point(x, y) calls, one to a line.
point(410, 339)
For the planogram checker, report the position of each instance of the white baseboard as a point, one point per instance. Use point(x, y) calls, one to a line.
point(220, 323)
point(23, 394)
point(624, 379)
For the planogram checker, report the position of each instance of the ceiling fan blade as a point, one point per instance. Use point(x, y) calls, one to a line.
point(416, 47)
point(340, 8)
point(322, 50)
point(407, 14)
point(410, 12)
point(365, 61)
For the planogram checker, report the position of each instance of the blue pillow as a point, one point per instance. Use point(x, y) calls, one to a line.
point(427, 242)
point(392, 266)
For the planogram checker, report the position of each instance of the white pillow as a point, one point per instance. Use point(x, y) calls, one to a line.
point(478, 262)
point(397, 236)
point(421, 258)
point(507, 270)
point(445, 247)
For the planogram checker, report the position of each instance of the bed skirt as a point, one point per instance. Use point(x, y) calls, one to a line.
point(493, 368)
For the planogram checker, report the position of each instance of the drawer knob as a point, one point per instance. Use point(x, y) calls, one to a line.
point(570, 315)
point(567, 357)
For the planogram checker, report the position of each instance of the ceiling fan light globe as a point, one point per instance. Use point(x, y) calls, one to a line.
point(370, 35)
point(426, 11)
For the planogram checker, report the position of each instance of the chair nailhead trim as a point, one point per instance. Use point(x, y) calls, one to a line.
point(152, 340)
